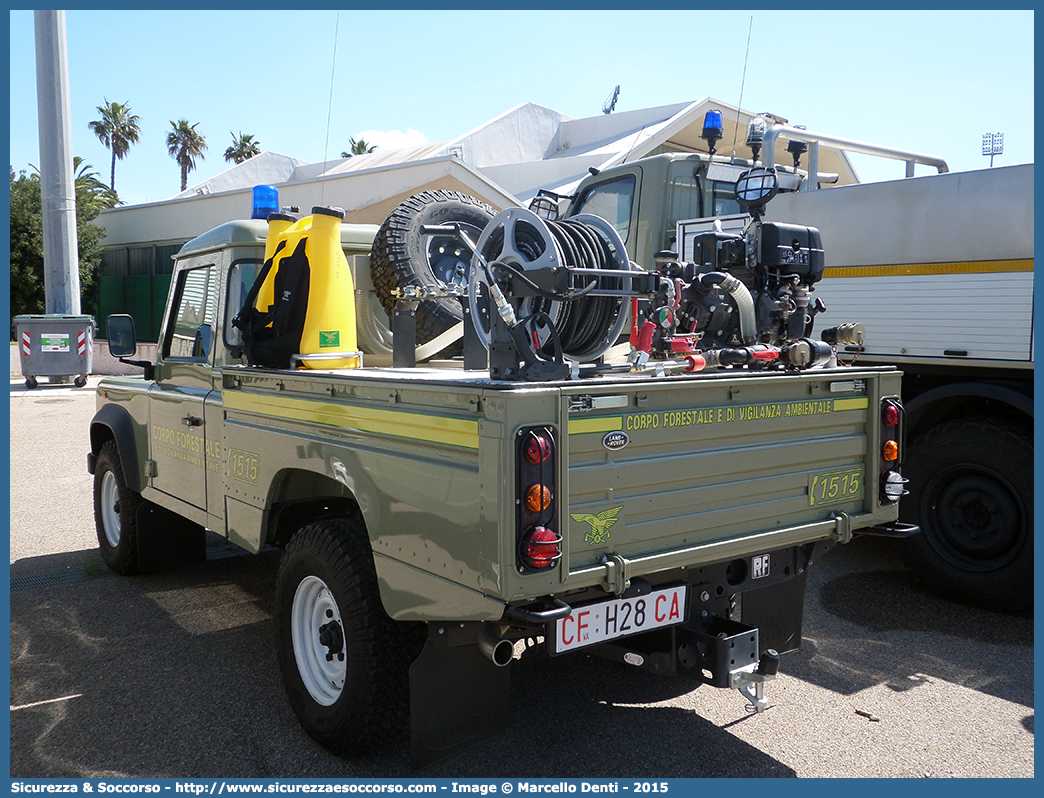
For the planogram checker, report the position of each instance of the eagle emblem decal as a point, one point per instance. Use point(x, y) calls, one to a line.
point(600, 524)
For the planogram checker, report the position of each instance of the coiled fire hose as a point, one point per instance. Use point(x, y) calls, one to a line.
point(518, 241)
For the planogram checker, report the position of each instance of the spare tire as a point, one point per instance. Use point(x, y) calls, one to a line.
point(401, 255)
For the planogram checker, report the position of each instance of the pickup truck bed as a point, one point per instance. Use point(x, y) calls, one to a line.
point(715, 467)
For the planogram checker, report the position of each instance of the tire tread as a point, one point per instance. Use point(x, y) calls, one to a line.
point(1009, 588)
point(123, 560)
point(394, 255)
point(383, 649)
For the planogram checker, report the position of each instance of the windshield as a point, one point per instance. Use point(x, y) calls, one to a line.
point(613, 202)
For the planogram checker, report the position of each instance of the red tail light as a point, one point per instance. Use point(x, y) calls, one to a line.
point(890, 415)
point(536, 485)
point(537, 448)
point(541, 548)
point(893, 432)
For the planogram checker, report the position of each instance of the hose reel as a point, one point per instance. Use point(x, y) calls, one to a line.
point(556, 273)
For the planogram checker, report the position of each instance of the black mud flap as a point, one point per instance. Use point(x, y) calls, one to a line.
point(458, 697)
point(777, 611)
point(167, 540)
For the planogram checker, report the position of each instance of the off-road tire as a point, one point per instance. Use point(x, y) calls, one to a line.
point(400, 255)
point(971, 492)
point(115, 512)
point(372, 708)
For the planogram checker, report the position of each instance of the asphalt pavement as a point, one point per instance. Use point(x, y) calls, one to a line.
point(174, 674)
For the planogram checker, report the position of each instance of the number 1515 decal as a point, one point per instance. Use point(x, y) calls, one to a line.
point(835, 486)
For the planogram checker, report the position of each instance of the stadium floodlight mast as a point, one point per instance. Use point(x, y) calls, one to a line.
point(992, 144)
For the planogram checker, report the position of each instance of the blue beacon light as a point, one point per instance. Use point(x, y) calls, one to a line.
point(712, 129)
point(266, 201)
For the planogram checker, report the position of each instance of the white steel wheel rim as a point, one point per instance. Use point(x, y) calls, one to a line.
point(313, 610)
point(110, 500)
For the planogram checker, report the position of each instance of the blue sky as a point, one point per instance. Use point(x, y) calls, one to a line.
point(931, 81)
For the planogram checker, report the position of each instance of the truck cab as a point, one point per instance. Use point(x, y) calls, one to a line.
point(182, 401)
point(645, 199)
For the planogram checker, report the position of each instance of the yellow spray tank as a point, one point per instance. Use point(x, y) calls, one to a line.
point(329, 327)
point(278, 223)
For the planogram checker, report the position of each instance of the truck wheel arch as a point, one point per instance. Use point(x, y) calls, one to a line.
point(298, 497)
point(113, 422)
point(948, 402)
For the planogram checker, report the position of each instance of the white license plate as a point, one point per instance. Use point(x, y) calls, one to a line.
point(596, 623)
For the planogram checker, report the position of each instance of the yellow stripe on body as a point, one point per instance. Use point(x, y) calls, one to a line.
point(397, 423)
point(915, 269)
point(857, 403)
point(578, 426)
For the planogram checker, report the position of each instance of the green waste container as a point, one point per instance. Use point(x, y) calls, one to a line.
point(53, 345)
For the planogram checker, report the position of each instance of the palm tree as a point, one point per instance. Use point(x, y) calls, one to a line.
point(185, 144)
point(117, 129)
point(359, 147)
point(242, 148)
point(92, 193)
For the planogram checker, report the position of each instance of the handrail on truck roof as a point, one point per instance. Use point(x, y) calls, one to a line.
point(814, 139)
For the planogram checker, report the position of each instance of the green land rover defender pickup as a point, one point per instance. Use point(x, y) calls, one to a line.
point(660, 508)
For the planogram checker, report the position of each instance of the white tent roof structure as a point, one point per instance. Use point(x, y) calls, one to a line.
point(504, 162)
point(266, 168)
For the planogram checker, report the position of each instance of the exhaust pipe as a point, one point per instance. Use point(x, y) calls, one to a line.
point(496, 649)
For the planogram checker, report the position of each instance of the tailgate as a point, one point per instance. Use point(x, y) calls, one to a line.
point(672, 466)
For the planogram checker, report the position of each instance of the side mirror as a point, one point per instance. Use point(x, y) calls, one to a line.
point(122, 342)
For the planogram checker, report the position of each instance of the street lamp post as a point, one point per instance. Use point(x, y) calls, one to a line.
point(57, 181)
point(992, 144)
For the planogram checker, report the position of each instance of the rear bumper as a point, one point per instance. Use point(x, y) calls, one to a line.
point(615, 571)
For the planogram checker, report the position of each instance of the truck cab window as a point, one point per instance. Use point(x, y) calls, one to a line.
point(240, 280)
point(612, 201)
point(683, 199)
point(723, 199)
point(191, 333)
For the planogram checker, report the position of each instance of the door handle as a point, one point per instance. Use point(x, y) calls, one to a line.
point(192, 421)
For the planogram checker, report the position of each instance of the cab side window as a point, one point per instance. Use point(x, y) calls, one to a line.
point(613, 202)
point(240, 280)
point(191, 334)
point(684, 199)
point(723, 199)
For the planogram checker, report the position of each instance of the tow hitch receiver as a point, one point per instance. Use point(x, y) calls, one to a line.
point(725, 654)
point(751, 680)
